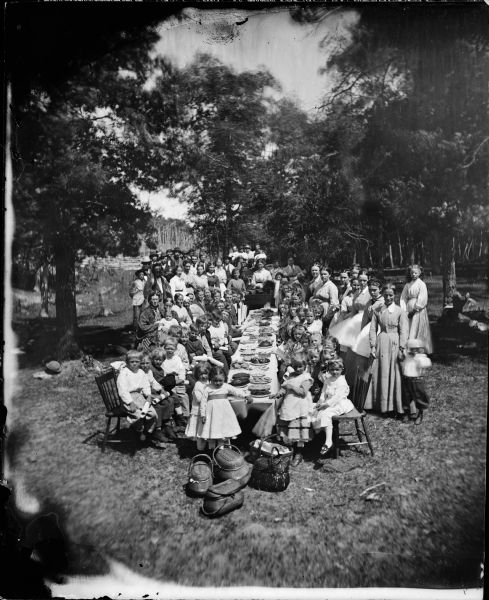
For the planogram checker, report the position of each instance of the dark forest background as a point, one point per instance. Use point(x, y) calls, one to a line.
point(392, 169)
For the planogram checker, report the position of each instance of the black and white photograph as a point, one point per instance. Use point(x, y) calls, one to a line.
point(246, 300)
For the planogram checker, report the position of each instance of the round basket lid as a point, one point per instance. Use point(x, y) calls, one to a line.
point(229, 459)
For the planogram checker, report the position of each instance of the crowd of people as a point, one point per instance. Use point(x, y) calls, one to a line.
point(333, 328)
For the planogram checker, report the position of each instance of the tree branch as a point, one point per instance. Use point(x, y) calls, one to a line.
point(476, 152)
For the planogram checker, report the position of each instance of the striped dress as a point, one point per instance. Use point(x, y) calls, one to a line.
point(294, 422)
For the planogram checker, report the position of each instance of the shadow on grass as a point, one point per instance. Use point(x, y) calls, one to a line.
point(125, 442)
point(35, 547)
point(37, 339)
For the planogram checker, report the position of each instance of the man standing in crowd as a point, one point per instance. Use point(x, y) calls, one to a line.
point(168, 265)
point(157, 283)
point(292, 271)
point(193, 263)
point(203, 260)
point(177, 257)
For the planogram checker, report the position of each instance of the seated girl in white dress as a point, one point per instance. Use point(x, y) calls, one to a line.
point(333, 401)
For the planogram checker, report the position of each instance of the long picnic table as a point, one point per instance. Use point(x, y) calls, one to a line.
point(241, 365)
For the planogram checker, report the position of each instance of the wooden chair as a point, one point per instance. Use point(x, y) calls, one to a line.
point(107, 385)
point(357, 415)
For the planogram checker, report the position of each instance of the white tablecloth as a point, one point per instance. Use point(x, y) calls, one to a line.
point(240, 407)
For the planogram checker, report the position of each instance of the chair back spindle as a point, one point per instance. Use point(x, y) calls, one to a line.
point(107, 386)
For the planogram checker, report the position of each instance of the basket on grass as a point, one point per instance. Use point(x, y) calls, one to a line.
point(271, 474)
point(222, 498)
point(229, 463)
point(200, 473)
point(265, 446)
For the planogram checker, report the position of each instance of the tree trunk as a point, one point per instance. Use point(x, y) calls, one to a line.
point(66, 324)
point(44, 289)
point(448, 271)
point(391, 256)
point(401, 258)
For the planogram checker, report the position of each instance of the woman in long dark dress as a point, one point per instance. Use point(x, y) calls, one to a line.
point(149, 319)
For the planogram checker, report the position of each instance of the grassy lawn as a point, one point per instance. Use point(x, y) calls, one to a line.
point(424, 527)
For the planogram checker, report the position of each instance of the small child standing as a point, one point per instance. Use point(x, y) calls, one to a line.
point(293, 414)
point(333, 401)
point(219, 422)
point(196, 420)
point(136, 292)
point(414, 397)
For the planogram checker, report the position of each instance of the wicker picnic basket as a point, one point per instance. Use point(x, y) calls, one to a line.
point(222, 498)
point(229, 463)
point(271, 474)
point(200, 474)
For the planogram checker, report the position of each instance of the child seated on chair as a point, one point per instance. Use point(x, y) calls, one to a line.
point(170, 408)
point(135, 392)
point(161, 401)
point(332, 402)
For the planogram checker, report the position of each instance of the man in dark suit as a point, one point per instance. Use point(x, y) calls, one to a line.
point(158, 283)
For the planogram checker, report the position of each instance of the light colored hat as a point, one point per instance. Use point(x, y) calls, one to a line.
point(145, 260)
point(414, 343)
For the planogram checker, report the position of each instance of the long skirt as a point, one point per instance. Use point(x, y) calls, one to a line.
point(385, 391)
point(356, 366)
point(419, 327)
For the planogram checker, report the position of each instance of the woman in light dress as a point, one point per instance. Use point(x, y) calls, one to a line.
point(315, 284)
point(327, 294)
point(414, 300)
point(261, 275)
point(347, 292)
point(347, 330)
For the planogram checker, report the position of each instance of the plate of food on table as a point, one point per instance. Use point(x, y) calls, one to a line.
point(240, 379)
point(259, 390)
point(260, 360)
point(260, 379)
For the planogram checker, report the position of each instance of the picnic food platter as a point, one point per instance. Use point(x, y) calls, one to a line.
point(255, 358)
